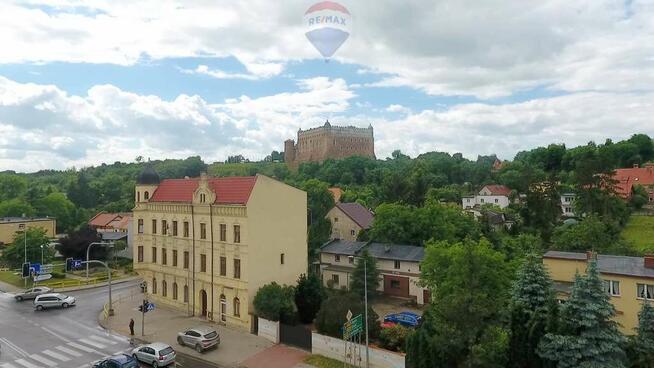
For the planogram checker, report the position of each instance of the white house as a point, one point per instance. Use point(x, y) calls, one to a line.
point(490, 194)
point(567, 204)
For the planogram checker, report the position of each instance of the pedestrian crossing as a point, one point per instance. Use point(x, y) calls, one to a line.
point(69, 354)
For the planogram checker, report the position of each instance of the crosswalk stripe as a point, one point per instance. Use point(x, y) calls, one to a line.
point(92, 343)
point(119, 338)
point(25, 363)
point(81, 347)
point(7, 365)
point(43, 360)
point(68, 351)
point(100, 339)
point(56, 355)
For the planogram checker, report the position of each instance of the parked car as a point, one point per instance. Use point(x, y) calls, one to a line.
point(156, 354)
point(408, 319)
point(32, 293)
point(200, 338)
point(53, 300)
point(116, 361)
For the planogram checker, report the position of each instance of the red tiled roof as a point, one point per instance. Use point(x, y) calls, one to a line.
point(627, 178)
point(229, 190)
point(337, 193)
point(498, 190)
point(102, 219)
point(359, 214)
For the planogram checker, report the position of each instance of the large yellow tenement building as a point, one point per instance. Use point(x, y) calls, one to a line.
point(206, 245)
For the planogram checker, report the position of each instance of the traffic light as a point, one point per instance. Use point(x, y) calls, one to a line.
point(26, 269)
point(143, 308)
point(69, 264)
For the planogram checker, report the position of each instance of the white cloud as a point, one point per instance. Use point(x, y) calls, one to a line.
point(398, 108)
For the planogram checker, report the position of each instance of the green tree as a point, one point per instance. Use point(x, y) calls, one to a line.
point(366, 269)
point(462, 328)
point(75, 243)
point(587, 336)
point(639, 197)
point(333, 312)
point(531, 300)
point(12, 187)
point(14, 254)
point(309, 295)
point(81, 193)
point(16, 208)
point(58, 206)
point(641, 347)
point(320, 201)
point(274, 302)
point(589, 234)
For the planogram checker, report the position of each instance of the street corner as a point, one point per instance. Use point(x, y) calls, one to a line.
point(277, 356)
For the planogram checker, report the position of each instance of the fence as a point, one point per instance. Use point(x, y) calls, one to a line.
point(132, 294)
point(335, 349)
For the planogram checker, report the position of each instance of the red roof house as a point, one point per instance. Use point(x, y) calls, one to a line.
point(229, 190)
point(628, 178)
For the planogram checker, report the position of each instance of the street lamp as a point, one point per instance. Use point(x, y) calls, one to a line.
point(24, 228)
point(365, 301)
point(42, 254)
point(110, 245)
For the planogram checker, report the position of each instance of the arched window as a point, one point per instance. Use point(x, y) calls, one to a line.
point(164, 288)
point(223, 308)
point(237, 307)
point(154, 285)
point(174, 291)
point(146, 195)
point(185, 293)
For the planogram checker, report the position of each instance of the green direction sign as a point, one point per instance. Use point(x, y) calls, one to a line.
point(352, 327)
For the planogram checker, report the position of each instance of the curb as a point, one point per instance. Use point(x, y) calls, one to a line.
point(87, 287)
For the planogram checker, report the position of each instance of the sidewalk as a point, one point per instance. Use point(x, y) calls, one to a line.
point(163, 324)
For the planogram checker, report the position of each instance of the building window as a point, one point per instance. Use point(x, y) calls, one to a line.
point(203, 263)
point(186, 229)
point(140, 253)
point(281, 258)
point(645, 291)
point(353, 233)
point(164, 256)
point(223, 266)
point(164, 288)
point(350, 260)
point(335, 219)
point(140, 226)
point(174, 228)
point(497, 200)
point(237, 268)
point(337, 258)
point(237, 307)
point(138, 196)
point(482, 200)
point(186, 260)
point(164, 227)
point(174, 257)
point(395, 284)
point(185, 293)
point(146, 195)
point(174, 291)
point(154, 286)
point(154, 226)
point(203, 231)
point(396, 265)
point(203, 197)
point(154, 254)
point(223, 232)
point(335, 279)
point(237, 233)
point(612, 287)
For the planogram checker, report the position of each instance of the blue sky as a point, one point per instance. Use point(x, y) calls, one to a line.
point(114, 80)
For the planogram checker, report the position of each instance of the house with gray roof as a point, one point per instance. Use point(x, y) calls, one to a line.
point(399, 267)
point(349, 220)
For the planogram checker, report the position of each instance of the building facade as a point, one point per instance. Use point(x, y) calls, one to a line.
point(329, 142)
point(10, 225)
point(629, 281)
point(490, 194)
point(349, 220)
point(206, 245)
point(398, 265)
point(627, 179)
point(114, 227)
point(567, 204)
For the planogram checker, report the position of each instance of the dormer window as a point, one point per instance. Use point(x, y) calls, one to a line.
point(203, 198)
point(146, 195)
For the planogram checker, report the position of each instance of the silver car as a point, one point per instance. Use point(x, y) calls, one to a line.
point(52, 300)
point(156, 354)
point(32, 293)
point(200, 338)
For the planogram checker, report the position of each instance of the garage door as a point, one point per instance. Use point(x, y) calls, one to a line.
point(396, 286)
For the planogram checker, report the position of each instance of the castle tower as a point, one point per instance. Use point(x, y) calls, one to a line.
point(289, 150)
point(146, 183)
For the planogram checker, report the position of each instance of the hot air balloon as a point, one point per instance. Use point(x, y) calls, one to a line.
point(328, 26)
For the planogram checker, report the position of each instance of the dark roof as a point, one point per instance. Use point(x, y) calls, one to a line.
point(148, 176)
point(113, 235)
point(394, 252)
point(359, 214)
point(617, 265)
point(24, 219)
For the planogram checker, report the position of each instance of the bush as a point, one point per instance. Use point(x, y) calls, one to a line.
point(274, 302)
point(58, 275)
point(394, 338)
point(333, 313)
point(309, 295)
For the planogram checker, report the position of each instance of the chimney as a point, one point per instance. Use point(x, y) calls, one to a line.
point(635, 166)
point(649, 261)
point(591, 256)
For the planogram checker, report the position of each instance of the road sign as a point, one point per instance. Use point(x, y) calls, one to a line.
point(36, 268)
point(77, 263)
point(44, 269)
point(352, 327)
point(348, 315)
point(150, 307)
point(43, 277)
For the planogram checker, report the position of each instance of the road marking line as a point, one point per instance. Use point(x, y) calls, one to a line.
point(55, 334)
point(25, 363)
point(56, 355)
point(43, 360)
point(119, 338)
point(100, 339)
point(7, 365)
point(14, 347)
point(92, 343)
point(68, 351)
point(82, 347)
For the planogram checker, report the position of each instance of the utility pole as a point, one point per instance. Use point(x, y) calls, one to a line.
point(365, 291)
point(25, 232)
point(111, 309)
point(143, 316)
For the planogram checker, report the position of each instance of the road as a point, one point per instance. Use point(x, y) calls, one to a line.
point(69, 338)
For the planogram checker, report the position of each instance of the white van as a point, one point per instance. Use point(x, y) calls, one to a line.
point(53, 300)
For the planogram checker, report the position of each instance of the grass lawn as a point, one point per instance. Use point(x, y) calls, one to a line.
point(640, 231)
point(10, 278)
point(320, 361)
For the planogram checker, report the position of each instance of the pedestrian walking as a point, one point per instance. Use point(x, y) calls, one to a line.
point(131, 326)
